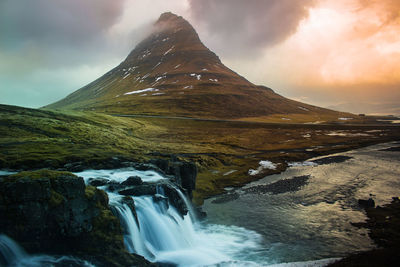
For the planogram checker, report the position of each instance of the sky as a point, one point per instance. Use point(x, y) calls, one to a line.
point(343, 54)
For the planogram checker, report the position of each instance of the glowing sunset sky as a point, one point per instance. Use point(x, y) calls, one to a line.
point(339, 53)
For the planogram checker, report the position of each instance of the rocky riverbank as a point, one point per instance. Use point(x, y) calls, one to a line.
point(54, 212)
point(384, 225)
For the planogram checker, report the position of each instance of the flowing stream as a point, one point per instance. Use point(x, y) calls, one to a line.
point(308, 225)
point(11, 254)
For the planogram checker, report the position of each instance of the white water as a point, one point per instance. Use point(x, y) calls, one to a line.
point(11, 254)
point(120, 175)
point(163, 235)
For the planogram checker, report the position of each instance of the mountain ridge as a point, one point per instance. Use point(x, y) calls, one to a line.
point(171, 72)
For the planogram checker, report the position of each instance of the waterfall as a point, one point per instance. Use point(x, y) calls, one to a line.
point(163, 235)
point(188, 203)
point(10, 252)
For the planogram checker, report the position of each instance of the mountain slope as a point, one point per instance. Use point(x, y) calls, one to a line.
point(172, 73)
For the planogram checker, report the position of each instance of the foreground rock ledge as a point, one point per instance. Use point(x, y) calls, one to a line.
point(55, 213)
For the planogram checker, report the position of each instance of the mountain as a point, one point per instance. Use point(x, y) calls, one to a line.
point(173, 73)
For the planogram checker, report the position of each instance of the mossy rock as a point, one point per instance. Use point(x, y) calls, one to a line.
point(54, 212)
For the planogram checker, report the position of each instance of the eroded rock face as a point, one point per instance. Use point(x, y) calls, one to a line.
point(184, 173)
point(152, 189)
point(54, 212)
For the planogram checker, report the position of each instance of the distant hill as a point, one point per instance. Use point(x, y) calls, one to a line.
point(172, 73)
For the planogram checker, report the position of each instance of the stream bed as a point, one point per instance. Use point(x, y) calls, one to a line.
point(311, 220)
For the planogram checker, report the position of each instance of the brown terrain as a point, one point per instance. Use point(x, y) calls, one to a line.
point(172, 73)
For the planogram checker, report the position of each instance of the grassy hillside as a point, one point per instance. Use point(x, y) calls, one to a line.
point(223, 150)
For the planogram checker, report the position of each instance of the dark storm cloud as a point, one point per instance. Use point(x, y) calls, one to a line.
point(247, 26)
point(54, 30)
point(65, 21)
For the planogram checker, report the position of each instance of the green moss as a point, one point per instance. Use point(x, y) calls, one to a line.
point(90, 191)
point(40, 174)
point(56, 199)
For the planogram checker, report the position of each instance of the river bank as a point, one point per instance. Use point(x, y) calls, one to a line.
point(306, 213)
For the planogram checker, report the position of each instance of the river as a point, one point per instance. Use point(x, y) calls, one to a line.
point(300, 217)
point(313, 222)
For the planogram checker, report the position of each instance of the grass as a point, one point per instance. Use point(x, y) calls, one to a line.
point(224, 151)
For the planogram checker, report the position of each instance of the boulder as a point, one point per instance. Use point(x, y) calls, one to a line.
point(98, 181)
point(369, 203)
point(132, 180)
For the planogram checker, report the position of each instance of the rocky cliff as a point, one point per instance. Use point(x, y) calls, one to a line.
point(55, 213)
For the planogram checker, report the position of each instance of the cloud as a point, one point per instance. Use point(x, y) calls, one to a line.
point(68, 22)
point(56, 33)
point(244, 28)
point(49, 48)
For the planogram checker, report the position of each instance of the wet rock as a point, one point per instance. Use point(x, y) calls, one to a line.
point(55, 213)
point(397, 148)
point(366, 203)
point(184, 173)
point(74, 167)
point(166, 189)
point(331, 159)
point(129, 201)
point(142, 190)
point(161, 199)
point(200, 213)
point(132, 180)
point(281, 186)
point(98, 181)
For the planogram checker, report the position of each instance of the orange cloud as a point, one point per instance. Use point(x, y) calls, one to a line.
point(343, 43)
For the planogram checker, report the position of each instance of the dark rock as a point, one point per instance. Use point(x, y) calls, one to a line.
point(127, 200)
point(200, 213)
point(74, 167)
point(55, 213)
point(397, 148)
point(145, 189)
point(98, 181)
point(281, 186)
point(132, 180)
point(369, 203)
point(166, 189)
point(162, 164)
point(161, 199)
point(184, 173)
point(331, 159)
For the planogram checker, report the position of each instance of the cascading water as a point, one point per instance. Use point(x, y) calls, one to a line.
point(161, 234)
point(11, 254)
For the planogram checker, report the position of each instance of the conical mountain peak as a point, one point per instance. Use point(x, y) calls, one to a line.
point(172, 72)
point(169, 17)
point(171, 35)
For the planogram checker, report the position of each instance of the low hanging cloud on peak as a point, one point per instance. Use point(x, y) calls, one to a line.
point(248, 27)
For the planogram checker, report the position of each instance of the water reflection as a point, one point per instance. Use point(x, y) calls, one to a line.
point(314, 221)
